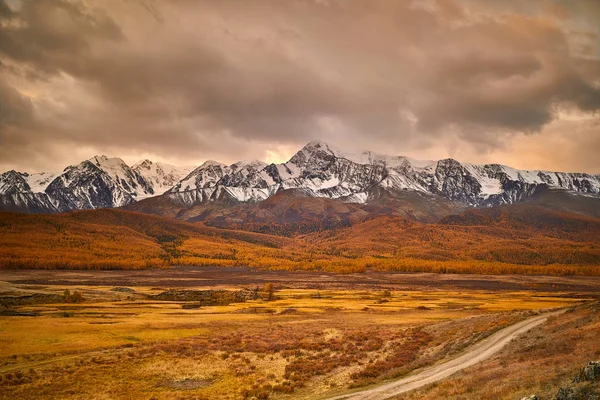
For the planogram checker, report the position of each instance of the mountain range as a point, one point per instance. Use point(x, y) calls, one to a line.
point(99, 182)
point(319, 184)
point(324, 209)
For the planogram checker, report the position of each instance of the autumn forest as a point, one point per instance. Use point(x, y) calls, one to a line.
point(524, 239)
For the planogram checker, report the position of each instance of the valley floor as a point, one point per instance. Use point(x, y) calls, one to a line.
point(229, 277)
point(320, 335)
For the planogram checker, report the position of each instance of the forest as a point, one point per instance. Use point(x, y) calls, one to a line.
point(475, 242)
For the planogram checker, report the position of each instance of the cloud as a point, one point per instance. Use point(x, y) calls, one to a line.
point(190, 80)
point(15, 109)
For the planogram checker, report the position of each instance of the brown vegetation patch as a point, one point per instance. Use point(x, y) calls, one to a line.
point(207, 297)
point(185, 384)
point(37, 298)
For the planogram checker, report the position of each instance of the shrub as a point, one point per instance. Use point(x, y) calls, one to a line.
point(269, 290)
point(75, 297)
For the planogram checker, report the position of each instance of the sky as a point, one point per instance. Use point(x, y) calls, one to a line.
point(182, 81)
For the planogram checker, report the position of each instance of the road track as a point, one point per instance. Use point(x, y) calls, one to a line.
point(475, 354)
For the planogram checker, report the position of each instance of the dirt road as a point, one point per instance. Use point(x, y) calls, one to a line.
point(477, 353)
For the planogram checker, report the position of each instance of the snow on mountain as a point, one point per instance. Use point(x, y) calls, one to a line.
point(109, 182)
point(332, 173)
point(19, 192)
point(206, 175)
point(488, 185)
point(242, 181)
point(325, 171)
point(249, 173)
point(12, 182)
point(22, 182)
point(99, 182)
point(38, 182)
point(319, 169)
point(122, 175)
point(95, 183)
point(160, 177)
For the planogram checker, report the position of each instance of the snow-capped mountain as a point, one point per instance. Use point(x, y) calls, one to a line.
point(242, 181)
point(99, 182)
point(324, 171)
point(38, 182)
point(318, 169)
point(24, 192)
point(12, 182)
point(160, 177)
point(20, 182)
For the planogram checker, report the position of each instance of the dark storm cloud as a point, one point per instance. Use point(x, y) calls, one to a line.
point(5, 11)
point(14, 108)
point(509, 74)
point(53, 34)
point(227, 79)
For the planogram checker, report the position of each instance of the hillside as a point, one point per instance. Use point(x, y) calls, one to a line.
point(527, 239)
point(294, 211)
point(111, 239)
point(505, 245)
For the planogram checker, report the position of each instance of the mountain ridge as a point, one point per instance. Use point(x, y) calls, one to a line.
point(319, 169)
point(328, 172)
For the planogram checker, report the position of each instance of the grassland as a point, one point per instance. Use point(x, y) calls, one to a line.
point(306, 343)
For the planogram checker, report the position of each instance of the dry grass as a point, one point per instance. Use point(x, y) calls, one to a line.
point(540, 362)
point(297, 346)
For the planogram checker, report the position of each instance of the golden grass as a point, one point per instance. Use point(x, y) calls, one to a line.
point(540, 362)
point(132, 348)
point(88, 326)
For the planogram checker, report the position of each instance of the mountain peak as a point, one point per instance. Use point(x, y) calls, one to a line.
point(142, 164)
point(98, 158)
point(314, 150)
point(107, 161)
point(317, 143)
point(12, 172)
point(13, 182)
point(211, 163)
point(249, 163)
point(321, 145)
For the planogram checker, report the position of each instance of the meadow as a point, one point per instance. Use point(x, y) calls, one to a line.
point(303, 343)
